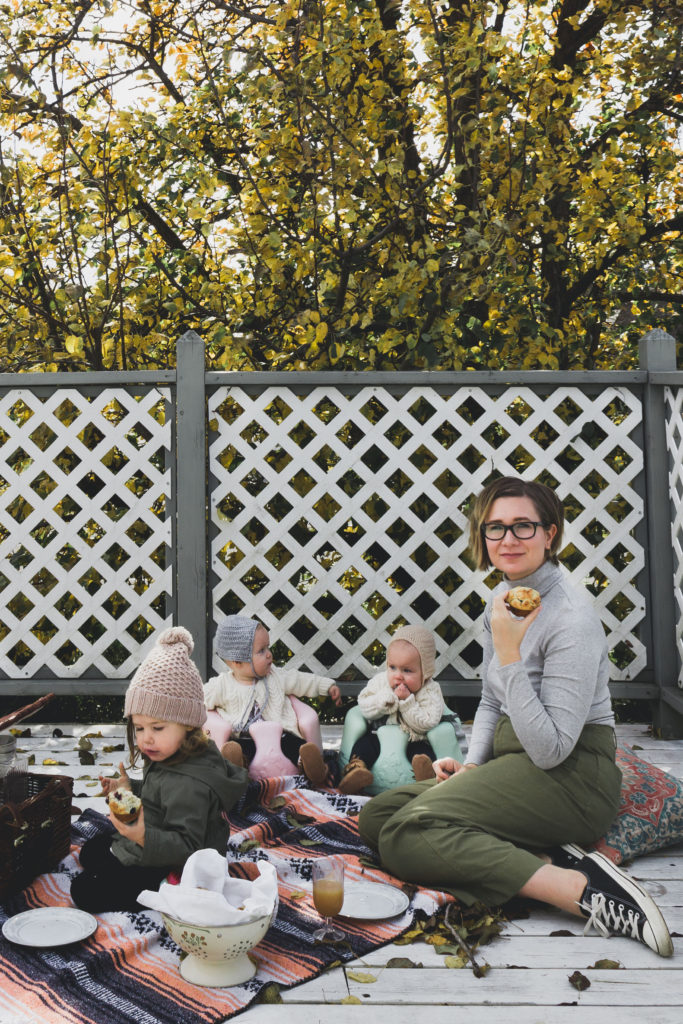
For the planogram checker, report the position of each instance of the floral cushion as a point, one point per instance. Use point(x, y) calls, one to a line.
point(651, 811)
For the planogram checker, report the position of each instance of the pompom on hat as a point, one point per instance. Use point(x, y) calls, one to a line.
point(422, 640)
point(235, 638)
point(167, 685)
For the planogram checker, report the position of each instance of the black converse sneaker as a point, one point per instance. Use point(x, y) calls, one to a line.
point(615, 904)
point(567, 855)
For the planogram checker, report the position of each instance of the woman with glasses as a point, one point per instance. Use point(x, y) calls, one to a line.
point(541, 774)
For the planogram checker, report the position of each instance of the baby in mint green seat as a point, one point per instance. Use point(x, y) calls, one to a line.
point(396, 713)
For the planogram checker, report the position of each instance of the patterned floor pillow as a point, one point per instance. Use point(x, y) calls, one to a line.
point(651, 811)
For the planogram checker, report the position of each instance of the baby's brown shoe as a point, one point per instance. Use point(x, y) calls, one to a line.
point(313, 764)
point(355, 777)
point(422, 768)
point(232, 752)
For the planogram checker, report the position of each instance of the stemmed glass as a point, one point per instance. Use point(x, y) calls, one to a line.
point(328, 895)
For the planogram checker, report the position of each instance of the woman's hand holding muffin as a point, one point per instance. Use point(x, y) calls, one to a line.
point(507, 631)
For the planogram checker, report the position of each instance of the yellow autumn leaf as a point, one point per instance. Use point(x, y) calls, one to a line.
point(74, 345)
point(455, 961)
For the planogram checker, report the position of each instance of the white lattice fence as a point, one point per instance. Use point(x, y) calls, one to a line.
point(674, 439)
point(338, 516)
point(85, 577)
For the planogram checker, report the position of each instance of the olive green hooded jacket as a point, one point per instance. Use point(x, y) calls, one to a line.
point(183, 806)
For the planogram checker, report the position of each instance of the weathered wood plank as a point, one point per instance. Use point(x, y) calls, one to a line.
point(502, 987)
point(333, 1013)
point(508, 951)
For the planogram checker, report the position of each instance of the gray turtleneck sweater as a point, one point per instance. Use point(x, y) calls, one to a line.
point(561, 682)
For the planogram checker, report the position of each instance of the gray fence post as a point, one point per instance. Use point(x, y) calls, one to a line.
point(191, 513)
point(658, 353)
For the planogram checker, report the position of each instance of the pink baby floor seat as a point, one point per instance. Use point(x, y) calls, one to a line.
point(269, 761)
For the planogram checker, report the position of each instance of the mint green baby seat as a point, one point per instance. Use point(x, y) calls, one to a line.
point(392, 767)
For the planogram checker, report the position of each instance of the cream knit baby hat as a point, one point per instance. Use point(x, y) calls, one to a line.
point(422, 640)
point(167, 685)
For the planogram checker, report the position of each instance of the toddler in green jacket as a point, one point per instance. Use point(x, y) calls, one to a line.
point(185, 787)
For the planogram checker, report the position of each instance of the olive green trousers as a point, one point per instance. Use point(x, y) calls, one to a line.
point(478, 834)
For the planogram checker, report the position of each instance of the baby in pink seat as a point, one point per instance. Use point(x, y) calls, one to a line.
point(252, 691)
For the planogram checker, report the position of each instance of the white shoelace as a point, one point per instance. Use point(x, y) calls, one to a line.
point(607, 917)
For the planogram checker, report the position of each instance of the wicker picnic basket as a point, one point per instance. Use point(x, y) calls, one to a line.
point(35, 833)
point(35, 819)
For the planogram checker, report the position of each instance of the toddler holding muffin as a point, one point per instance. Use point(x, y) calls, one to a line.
point(185, 788)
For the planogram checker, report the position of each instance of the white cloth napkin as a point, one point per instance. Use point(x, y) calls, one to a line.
point(206, 893)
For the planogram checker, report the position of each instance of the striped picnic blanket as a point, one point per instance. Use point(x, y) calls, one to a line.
point(128, 970)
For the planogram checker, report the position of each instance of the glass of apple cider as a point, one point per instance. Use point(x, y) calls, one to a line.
point(328, 895)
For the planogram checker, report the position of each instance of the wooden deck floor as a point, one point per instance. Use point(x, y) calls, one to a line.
point(528, 980)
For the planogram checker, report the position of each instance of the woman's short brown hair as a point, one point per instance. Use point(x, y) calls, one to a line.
point(545, 501)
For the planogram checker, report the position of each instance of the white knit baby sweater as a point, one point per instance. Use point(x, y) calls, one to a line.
point(234, 701)
point(416, 715)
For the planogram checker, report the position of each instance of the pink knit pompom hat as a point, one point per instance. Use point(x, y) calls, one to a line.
point(167, 685)
point(422, 640)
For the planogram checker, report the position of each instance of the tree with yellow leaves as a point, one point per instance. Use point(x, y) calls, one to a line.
point(339, 184)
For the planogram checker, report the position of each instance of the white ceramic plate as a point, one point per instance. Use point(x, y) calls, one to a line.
point(49, 926)
point(372, 901)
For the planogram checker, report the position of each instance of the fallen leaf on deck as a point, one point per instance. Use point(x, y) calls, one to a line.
point(84, 743)
point(457, 961)
point(407, 937)
point(447, 949)
point(86, 757)
point(401, 961)
point(579, 981)
point(605, 965)
point(110, 750)
point(361, 977)
point(51, 761)
point(350, 999)
point(269, 994)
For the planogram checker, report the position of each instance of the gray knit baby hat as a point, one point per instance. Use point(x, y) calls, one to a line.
point(167, 685)
point(422, 640)
point(235, 638)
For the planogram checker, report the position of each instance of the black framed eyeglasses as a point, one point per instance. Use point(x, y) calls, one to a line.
point(523, 530)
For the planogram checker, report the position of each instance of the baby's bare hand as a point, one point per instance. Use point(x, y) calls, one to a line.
point(402, 692)
point(334, 694)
